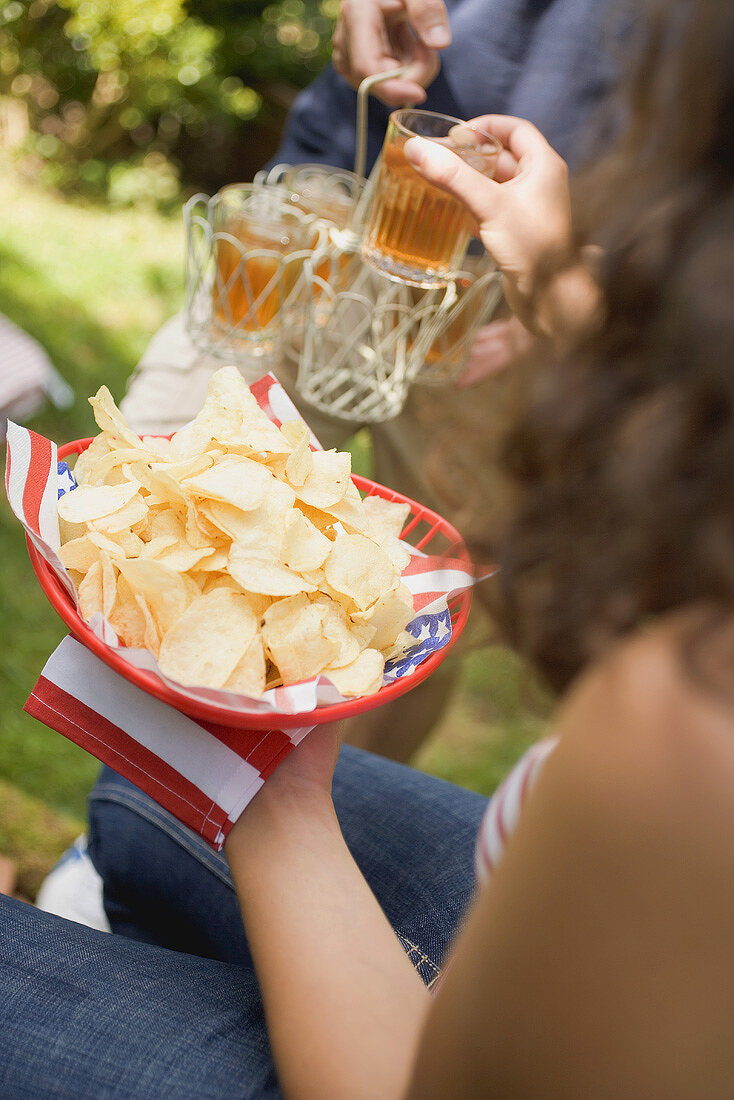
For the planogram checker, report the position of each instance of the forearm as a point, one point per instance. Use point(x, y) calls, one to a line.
point(344, 1006)
point(569, 306)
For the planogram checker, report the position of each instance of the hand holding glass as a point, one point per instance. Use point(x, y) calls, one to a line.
point(415, 232)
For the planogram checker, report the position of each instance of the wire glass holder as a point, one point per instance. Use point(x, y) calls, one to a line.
point(358, 338)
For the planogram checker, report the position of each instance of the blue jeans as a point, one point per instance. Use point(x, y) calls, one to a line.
point(170, 1006)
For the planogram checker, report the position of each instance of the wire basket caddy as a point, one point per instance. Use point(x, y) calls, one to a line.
point(357, 338)
point(469, 303)
point(363, 347)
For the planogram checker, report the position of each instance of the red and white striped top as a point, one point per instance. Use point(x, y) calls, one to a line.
point(503, 813)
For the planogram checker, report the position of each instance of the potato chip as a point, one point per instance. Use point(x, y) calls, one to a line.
point(264, 575)
point(209, 640)
point(90, 592)
point(339, 597)
point(168, 522)
point(70, 531)
point(358, 568)
point(81, 553)
point(300, 462)
point(294, 638)
point(164, 590)
point(349, 513)
point(195, 535)
point(387, 617)
point(248, 677)
point(315, 577)
point(386, 517)
point(403, 641)
point(320, 519)
point(126, 618)
point(109, 583)
point(262, 533)
point(129, 543)
point(262, 529)
point(151, 635)
point(303, 547)
point(100, 472)
point(193, 590)
point(328, 480)
point(157, 445)
point(213, 562)
point(397, 551)
point(338, 628)
point(213, 535)
point(87, 460)
point(124, 519)
point(236, 481)
point(110, 419)
point(155, 546)
point(91, 502)
point(189, 467)
point(362, 676)
point(182, 557)
point(259, 604)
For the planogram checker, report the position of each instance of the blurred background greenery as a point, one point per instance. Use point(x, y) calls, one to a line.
point(111, 111)
point(129, 100)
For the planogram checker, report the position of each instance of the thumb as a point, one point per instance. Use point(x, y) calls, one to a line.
point(449, 172)
point(430, 22)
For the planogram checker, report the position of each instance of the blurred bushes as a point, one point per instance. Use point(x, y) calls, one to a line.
point(128, 98)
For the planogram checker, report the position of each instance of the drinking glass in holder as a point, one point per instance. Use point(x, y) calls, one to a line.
point(446, 341)
point(247, 247)
point(415, 232)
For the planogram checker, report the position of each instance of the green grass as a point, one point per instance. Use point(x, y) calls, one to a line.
point(92, 286)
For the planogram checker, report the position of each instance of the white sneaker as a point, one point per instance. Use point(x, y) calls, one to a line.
point(73, 889)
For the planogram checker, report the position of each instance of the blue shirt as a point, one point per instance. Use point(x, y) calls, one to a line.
point(550, 61)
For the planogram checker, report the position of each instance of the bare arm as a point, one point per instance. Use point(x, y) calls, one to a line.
point(344, 1005)
point(598, 961)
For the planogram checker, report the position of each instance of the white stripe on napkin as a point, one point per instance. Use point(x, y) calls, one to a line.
point(187, 747)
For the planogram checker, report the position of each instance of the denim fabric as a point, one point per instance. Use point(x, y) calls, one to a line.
point(412, 836)
point(89, 1016)
point(84, 1014)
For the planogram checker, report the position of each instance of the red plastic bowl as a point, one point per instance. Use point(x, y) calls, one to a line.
point(424, 530)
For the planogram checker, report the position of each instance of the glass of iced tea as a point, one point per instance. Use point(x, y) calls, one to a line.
point(259, 244)
point(415, 232)
point(328, 193)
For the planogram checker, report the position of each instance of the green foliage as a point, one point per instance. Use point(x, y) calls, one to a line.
point(119, 97)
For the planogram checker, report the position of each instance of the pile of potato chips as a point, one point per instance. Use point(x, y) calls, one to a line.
point(238, 556)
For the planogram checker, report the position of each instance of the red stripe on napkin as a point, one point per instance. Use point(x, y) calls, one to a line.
point(110, 744)
point(270, 768)
point(36, 479)
point(251, 745)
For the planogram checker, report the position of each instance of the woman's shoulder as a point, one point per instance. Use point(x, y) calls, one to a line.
point(651, 726)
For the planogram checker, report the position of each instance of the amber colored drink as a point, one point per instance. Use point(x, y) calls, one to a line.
point(415, 232)
point(251, 286)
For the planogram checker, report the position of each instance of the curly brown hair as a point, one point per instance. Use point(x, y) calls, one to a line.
point(622, 460)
